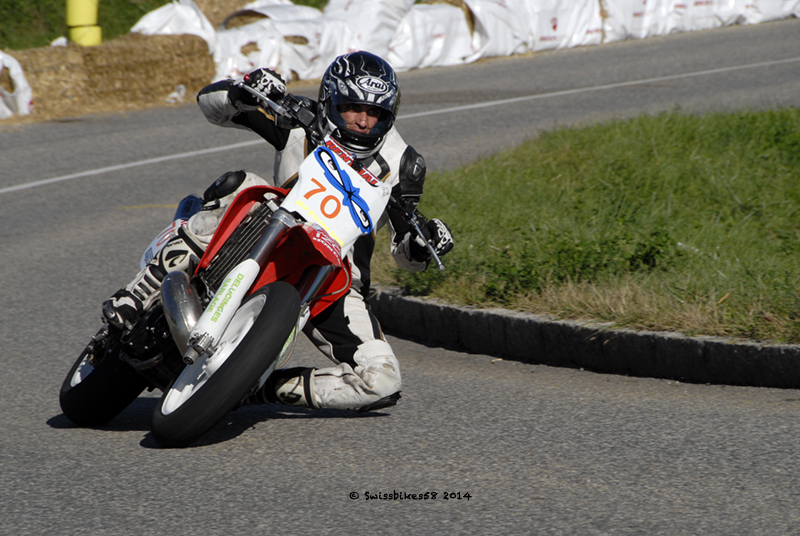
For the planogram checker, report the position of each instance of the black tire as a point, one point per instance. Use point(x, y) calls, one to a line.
point(99, 393)
point(236, 377)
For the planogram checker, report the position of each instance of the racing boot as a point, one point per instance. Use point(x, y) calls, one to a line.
point(290, 387)
point(128, 304)
point(125, 307)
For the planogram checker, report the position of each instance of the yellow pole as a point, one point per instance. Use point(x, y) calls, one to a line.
point(82, 22)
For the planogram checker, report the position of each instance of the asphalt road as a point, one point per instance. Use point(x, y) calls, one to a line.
point(539, 450)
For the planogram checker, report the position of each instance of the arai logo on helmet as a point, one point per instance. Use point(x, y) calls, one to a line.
point(371, 84)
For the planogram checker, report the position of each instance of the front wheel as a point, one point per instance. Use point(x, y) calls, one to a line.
point(214, 385)
point(99, 385)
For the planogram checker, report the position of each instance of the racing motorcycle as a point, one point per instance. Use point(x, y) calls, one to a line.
point(277, 259)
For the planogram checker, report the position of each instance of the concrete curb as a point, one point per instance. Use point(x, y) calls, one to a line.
point(541, 340)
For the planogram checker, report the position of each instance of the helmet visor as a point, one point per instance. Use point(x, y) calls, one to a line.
point(382, 96)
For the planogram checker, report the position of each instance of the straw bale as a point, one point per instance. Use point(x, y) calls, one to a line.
point(242, 18)
point(5, 80)
point(56, 75)
point(147, 68)
point(127, 73)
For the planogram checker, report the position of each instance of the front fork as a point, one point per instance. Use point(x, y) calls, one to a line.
point(226, 301)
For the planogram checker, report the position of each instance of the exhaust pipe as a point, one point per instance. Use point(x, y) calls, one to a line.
point(181, 307)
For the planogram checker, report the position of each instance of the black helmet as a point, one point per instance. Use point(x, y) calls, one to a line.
point(358, 78)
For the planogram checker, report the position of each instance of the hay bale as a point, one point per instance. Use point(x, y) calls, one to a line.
point(57, 78)
point(131, 72)
point(138, 68)
point(5, 81)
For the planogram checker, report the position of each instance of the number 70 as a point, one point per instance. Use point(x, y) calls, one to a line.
point(325, 204)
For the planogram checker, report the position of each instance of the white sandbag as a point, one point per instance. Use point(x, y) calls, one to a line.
point(502, 27)
point(178, 18)
point(566, 23)
point(20, 101)
point(431, 35)
point(374, 22)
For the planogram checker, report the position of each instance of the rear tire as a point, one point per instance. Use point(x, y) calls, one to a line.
point(92, 395)
point(208, 390)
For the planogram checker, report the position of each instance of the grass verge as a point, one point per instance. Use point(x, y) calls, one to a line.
point(675, 222)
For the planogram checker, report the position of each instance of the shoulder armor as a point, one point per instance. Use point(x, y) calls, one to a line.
point(225, 185)
point(412, 173)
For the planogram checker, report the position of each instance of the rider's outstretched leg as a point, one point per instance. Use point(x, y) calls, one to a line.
point(127, 304)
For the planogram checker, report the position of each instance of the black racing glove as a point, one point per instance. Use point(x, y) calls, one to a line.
point(266, 82)
point(437, 234)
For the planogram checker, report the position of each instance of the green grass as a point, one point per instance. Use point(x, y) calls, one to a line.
point(679, 222)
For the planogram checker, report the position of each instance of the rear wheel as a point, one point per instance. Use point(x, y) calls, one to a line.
point(214, 385)
point(99, 385)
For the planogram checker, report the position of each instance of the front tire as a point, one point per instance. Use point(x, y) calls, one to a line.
point(206, 391)
point(99, 385)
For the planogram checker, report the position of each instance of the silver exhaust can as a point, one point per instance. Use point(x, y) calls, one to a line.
point(181, 307)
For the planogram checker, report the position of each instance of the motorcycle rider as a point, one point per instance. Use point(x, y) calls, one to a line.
point(357, 105)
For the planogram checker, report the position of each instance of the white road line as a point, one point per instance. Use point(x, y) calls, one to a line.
point(455, 109)
point(598, 88)
point(129, 165)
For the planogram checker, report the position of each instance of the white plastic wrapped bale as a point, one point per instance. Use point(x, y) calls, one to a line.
point(310, 41)
point(178, 18)
point(309, 46)
point(640, 19)
point(431, 35)
point(692, 15)
point(258, 44)
point(278, 10)
point(766, 10)
point(374, 22)
point(241, 50)
point(300, 49)
point(631, 19)
point(502, 27)
point(20, 100)
point(567, 23)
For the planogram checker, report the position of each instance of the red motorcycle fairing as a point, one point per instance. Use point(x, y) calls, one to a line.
point(302, 247)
